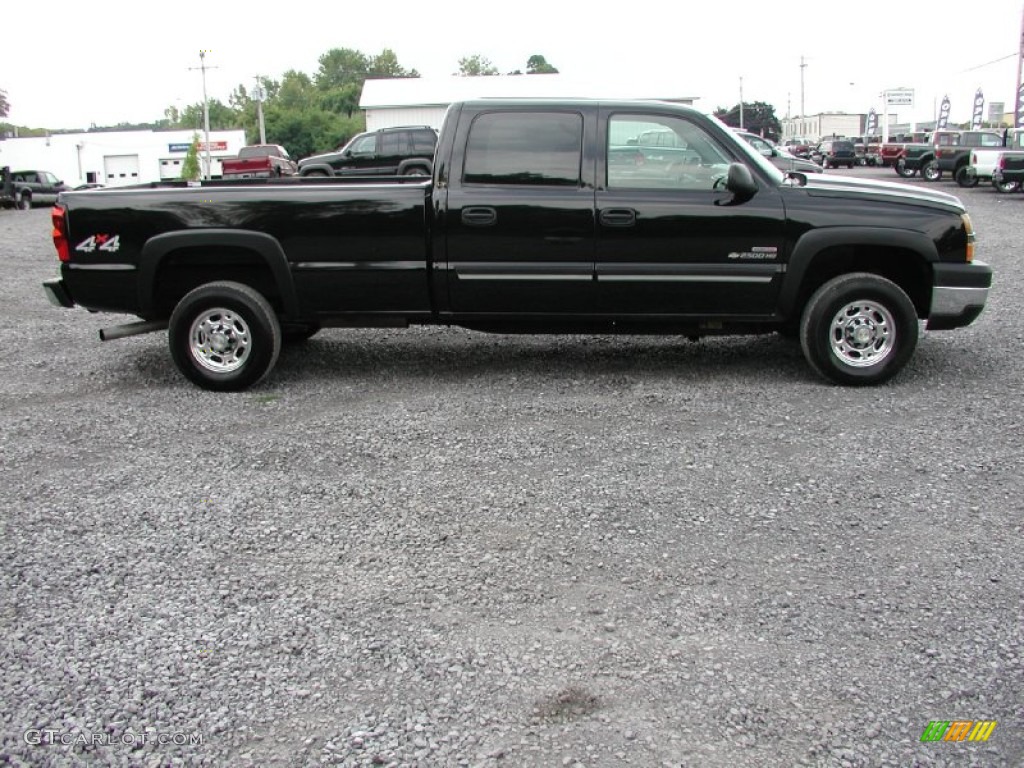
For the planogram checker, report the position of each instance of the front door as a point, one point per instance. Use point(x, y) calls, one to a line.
point(520, 214)
point(668, 242)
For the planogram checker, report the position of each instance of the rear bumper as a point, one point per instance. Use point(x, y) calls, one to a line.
point(958, 295)
point(57, 293)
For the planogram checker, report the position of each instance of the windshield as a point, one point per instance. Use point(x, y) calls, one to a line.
point(750, 155)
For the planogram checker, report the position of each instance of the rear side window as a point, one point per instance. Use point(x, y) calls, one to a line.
point(423, 142)
point(535, 148)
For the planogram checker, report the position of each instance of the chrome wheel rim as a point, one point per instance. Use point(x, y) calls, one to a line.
point(863, 334)
point(219, 340)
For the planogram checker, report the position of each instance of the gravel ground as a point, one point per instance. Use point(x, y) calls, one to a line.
point(441, 548)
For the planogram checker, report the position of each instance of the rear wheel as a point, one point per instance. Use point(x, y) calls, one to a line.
point(1006, 186)
point(224, 336)
point(23, 202)
point(859, 329)
point(320, 174)
point(416, 170)
point(902, 169)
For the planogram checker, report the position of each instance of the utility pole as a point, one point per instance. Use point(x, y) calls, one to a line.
point(260, 94)
point(741, 103)
point(1018, 112)
point(206, 112)
point(803, 66)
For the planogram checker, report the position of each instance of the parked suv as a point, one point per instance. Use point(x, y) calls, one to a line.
point(404, 151)
point(832, 154)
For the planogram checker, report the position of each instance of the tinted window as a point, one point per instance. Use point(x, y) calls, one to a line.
point(366, 144)
point(423, 142)
point(525, 148)
point(655, 152)
point(393, 143)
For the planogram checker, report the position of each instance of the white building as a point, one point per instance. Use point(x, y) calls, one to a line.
point(825, 125)
point(115, 158)
point(423, 100)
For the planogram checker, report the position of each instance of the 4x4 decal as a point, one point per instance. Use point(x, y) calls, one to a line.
point(108, 243)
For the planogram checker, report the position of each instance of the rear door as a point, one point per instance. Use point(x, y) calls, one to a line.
point(520, 212)
point(668, 241)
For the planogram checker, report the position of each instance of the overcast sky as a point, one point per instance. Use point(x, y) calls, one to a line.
point(69, 64)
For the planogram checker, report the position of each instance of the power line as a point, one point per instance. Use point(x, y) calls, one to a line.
point(994, 61)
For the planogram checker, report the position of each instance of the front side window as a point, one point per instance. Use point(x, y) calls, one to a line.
point(662, 152)
point(367, 145)
point(533, 148)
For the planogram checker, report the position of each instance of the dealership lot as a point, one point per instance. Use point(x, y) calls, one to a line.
point(437, 547)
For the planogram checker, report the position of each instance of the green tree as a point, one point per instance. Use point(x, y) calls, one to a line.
point(222, 117)
point(758, 117)
point(385, 64)
point(538, 65)
point(340, 67)
point(190, 168)
point(476, 65)
point(5, 105)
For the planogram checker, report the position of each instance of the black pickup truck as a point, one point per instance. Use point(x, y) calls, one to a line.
point(1009, 172)
point(539, 217)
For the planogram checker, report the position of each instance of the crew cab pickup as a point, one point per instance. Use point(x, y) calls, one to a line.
point(526, 225)
point(259, 161)
point(23, 189)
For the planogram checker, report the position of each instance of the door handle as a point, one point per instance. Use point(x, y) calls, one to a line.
point(479, 216)
point(618, 217)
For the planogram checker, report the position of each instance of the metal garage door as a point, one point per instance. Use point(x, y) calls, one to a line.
point(121, 169)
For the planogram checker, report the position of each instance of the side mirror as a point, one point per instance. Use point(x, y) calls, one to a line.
point(741, 183)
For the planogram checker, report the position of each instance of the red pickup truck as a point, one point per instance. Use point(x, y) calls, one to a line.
point(259, 161)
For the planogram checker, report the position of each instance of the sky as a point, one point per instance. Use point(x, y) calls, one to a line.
point(108, 61)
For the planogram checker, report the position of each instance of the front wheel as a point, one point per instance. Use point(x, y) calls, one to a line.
point(930, 171)
point(859, 329)
point(903, 170)
point(224, 336)
point(965, 179)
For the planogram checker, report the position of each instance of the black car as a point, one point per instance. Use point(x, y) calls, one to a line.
point(404, 151)
point(834, 153)
point(779, 157)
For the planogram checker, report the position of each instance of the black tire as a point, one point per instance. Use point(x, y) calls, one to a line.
point(23, 202)
point(1006, 186)
point(832, 321)
point(416, 170)
point(964, 179)
point(902, 169)
point(317, 174)
point(244, 346)
point(930, 171)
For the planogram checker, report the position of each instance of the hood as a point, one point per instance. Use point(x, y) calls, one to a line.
point(834, 185)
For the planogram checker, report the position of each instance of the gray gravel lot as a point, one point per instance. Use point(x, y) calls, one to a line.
point(441, 548)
